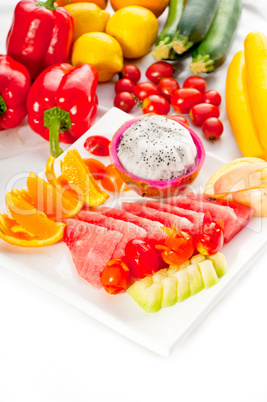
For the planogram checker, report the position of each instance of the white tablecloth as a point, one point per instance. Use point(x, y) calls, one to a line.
point(49, 351)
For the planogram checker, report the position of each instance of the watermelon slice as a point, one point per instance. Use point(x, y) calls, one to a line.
point(243, 212)
point(154, 233)
point(165, 218)
point(129, 230)
point(234, 221)
point(86, 247)
point(195, 217)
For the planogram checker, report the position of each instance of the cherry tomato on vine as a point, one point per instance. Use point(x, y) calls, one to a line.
point(212, 97)
point(115, 277)
point(210, 238)
point(97, 145)
point(184, 99)
point(124, 101)
point(195, 82)
point(178, 248)
point(112, 181)
point(212, 128)
point(130, 71)
point(96, 168)
point(141, 257)
point(167, 86)
point(199, 113)
point(179, 119)
point(158, 70)
point(124, 85)
point(145, 89)
point(156, 104)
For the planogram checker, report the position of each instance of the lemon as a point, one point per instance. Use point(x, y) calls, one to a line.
point(101, 50)
point(156, 6)
point(87, 17)
point(135, 28)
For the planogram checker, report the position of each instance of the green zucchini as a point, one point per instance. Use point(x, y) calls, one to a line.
point(194, 23)
point(212, 51)
point(163, 48)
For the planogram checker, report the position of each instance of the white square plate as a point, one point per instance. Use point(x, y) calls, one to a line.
point(52, 269)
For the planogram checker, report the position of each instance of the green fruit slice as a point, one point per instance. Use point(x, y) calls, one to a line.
point(195, 279)
point(147, 294)
point(219, 263)
point(197, 259)
point(169, 291)
point(183, 286)
point(208, 273)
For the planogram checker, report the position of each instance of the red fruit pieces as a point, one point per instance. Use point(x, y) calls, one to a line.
point(97, 145)
point(145, 89)
point(129, 230)
point(167, 86)
point(156, 104)
point(202, 111)
point(158, 70)
point(184, 99)
point(85, 242)
point(165, 218)
point(124, 101)
point(195, 82)
point(154, 233)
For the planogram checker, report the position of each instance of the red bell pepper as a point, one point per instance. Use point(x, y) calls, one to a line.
point(40, 35)
point(62, 103)
point(15, 82)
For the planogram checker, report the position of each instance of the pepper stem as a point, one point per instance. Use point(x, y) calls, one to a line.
point(58, 121)
point(3, 106)
point(47, 4)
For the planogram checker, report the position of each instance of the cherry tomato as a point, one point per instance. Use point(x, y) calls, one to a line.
point(156, 104)
point(212, 128)
point(158, 70)
point(199, 113)
point(124, 85)
point(141, 258)
point(180, 119)
point(212, 97)
point(210, 238)
point(115, 277)
point(184, 99)
point(195, 82)
point(97, 145)
point(145, 89)
point(124, 101)
point(167, 86)
point(96, 168)
point(132, 72)
point(112, 181)
point(178, 248)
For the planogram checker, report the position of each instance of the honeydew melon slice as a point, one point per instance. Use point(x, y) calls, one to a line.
point(195, 279)
point(197, 259)
point(169, 291)
point(147, 294)
point(208, 273)
point(183, 285)
point(219, 263)
point(169, 287)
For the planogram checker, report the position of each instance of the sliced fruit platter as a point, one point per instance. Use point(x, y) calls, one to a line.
point(100, 235)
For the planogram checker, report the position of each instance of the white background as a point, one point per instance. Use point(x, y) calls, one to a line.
point(49, 351)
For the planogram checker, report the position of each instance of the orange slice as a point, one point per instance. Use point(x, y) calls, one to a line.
point(48, 199)
point(15, 234)
point(32, 220)
point(76, 173)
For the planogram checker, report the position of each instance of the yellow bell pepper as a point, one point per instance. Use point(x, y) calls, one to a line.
point(239, 110)
point(256, 70)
